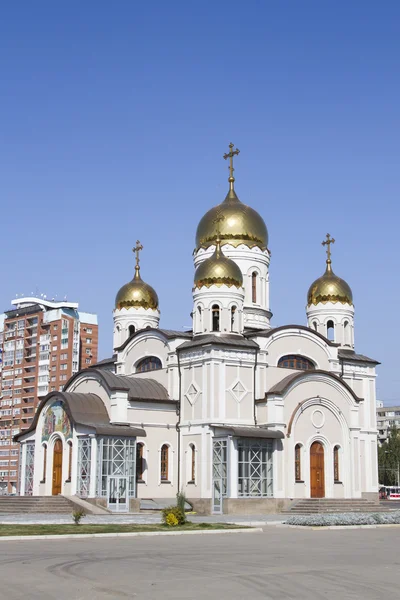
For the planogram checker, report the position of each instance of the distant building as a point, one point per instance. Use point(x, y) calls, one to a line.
point(42, 344)
point(386, 418)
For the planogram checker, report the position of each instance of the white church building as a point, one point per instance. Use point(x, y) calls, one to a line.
point(240, 415)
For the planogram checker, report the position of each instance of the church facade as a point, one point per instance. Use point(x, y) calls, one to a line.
point(240, 415)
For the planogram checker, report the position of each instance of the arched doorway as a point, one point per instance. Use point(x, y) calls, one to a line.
point(57, 467)
point(317, 470)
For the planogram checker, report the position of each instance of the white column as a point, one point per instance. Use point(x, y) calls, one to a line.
point(23, 469)
point(232, 468)
point(93, 468)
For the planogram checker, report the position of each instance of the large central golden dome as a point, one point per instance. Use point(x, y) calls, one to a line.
point(218, 270)
point(240, 224)
point(329, 288)
point(136, 294)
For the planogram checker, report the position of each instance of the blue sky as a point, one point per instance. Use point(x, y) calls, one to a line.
point(114, 119)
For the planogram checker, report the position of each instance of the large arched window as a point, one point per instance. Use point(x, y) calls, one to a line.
point(150, 363)
point(336, 473)
point(215, 317)
point(254, 287)
point(164, 462)
point(330, 331)
point(139, 462)
point(297, 462)
point(296, 361)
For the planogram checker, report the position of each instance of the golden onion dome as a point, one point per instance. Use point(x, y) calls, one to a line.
point(329, 288)
point(240, 223)
point(136, 293)
point(218, 270)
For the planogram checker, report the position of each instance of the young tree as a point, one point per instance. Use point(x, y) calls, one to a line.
point(389, 459)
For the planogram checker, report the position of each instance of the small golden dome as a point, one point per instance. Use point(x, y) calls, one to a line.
point(241, 225)
point(218, 270)
point(329, 288)
point(136, 293)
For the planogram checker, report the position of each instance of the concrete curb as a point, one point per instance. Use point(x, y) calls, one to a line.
point(10, 538)
point(333, 527)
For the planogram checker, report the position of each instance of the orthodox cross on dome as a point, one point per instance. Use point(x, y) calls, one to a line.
point(230, 155)
point(218, 219)
point(328, 243)
point(136, 250)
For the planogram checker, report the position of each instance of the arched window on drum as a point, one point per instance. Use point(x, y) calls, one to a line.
point(296, 361)
point(150, 363)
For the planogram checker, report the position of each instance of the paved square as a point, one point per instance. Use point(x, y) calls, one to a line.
point(279, 563)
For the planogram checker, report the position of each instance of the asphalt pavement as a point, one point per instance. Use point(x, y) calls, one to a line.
point(280, 563)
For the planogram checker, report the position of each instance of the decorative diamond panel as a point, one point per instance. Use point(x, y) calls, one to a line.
point(192, 394)
point(238, 391)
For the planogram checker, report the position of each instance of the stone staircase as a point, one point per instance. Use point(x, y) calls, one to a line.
point(307, 506)
point(35, 504)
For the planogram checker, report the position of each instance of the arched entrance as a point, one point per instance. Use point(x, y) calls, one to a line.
point(57, 467)
point(317, 470)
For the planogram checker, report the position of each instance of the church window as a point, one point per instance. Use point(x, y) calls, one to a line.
point(199, 319)
point(233, 318)
point(139, 462)
point(254, 287)
point(336, 473)
point(150, 363)
point(44, 462)
point(255, 474)
point(69, 460)
point(296, 361)
point(164, 462)
point(346, 333)
point(84, 466)
point(192, 456)
point(330, 331)
point(131, 330)
point(215, 317)
point(315, 326)
point(297, 462)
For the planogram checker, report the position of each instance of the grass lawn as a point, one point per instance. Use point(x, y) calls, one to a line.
point(74, 529)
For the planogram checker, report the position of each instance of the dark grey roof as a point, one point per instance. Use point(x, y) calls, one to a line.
point(137, 387)
point(88, 410)
point(106, 361)
point(236, 341)
point(283, 385)
point(269, 332)
point(170, 334)
point(352, 356)
point(253, 432)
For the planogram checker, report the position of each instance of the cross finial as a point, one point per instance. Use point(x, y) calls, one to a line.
point(230, 155)
point(136, 250)
point(328, 243)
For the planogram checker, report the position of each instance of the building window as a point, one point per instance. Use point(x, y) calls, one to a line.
point(297, 462)
point(330, 331)
point(139, 462)
point(89, 330)
point(233, 318)
point(116, 458)
point(255, 468)
point(164, 462)
point(336, 473)
point(192, 457)
point(88, 361)
point(88, 351)
point(346, 333)
point(199, 318)
point(215, 317)
point(315, 326)
point(44, 463)
point(84, 461)
point(88, 340)
point(254, 287)
point(131, 330)
point(296, 361)
point(150, 363)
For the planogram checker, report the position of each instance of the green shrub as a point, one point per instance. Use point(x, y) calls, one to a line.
point(176, 512)
point(77, 515)
point(181, 500)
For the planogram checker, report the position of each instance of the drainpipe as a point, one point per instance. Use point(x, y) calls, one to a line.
point(178, 429)
point(254, 387)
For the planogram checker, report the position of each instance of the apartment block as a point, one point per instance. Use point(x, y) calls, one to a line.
point(387, 417)
point(42, 344)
